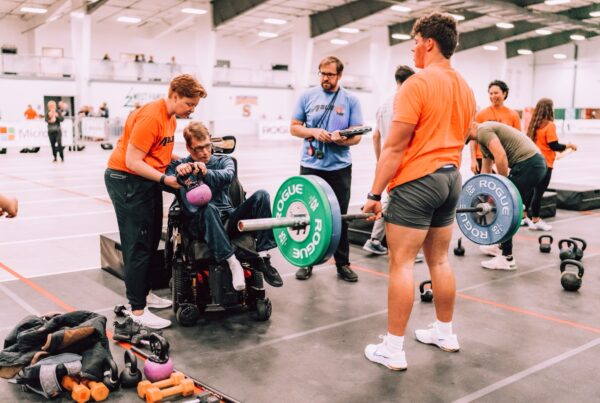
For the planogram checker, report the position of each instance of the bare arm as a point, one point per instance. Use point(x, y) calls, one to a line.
point(474, 166)
point(486, 166)
point(499, 154)
point(377, 143)
point(134, 160)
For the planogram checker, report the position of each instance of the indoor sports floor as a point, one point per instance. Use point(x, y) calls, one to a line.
point(522, 337)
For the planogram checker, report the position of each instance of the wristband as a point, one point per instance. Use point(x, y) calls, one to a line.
point(162, 179)
point(373, 196)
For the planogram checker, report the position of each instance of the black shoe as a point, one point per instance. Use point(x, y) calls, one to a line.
point(347, 274)
point(304, 273)
point(270, 273)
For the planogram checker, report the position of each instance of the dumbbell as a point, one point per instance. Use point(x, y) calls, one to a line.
point(569, 280)
point(568, 251)
point(80, 393)
point(426, 294)
point(459, 250)
point(175, 379)
point(579, 251)
point(545, 246)
point(185, 388)
point(98, 390)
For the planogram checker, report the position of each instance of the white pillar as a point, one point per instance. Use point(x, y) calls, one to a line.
point(301, 57)
point(379, 65)
point(204, 48)
point(81, 34)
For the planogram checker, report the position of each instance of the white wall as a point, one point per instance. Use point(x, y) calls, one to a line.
point(10, 34)
point(17, 94)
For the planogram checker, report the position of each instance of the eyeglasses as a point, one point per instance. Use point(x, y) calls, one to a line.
point(328, 75)
point(199, 148)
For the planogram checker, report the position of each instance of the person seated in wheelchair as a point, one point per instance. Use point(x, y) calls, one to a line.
point(217, 221)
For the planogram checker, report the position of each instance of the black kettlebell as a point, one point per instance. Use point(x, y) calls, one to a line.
point(579, 251)
point(545, 246)
point(131, 375)
point(567, 252)
point(459, 250)
point(569, 280)
point(111, 374)
point(426, 294)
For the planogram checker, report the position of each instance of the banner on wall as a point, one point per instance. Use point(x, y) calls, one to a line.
point(94, 128)
point(246, 101)
point(31, 133)
point(274, 130)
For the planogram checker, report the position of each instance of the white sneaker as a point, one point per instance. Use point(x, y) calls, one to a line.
point(541, 225)
point(381, 354)
point(150, 320)
point(156, 302)
point(490, 250)
point(499, 263)
point(374, 246)
point(526, 221)
point(432, 336)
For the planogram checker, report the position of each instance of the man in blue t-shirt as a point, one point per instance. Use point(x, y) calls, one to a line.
point(321, 112)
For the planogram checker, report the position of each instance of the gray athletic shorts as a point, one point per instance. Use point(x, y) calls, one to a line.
point(426, 202)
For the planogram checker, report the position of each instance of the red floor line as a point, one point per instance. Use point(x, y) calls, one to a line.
point(59, 189)
point(499, 305)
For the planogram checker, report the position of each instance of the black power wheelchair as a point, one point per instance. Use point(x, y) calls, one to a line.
point(201, 285)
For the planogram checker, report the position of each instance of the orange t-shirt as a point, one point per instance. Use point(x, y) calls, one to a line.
point(502, 115)
point(441, 105)
point(151, 130)
point(543, 136)
point(30, 114)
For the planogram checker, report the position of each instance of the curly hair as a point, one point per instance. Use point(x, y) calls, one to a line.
point(441, 28)
point(185, 85)
point(544, 110)
point(500, 84)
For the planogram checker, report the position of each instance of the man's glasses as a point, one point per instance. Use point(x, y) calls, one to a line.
point(197, 149)
point(328, 75)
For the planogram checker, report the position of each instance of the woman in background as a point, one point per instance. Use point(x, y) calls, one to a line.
point(53, 118)
point(542, 131)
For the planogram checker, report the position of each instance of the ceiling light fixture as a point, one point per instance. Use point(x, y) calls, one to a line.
point(524, 52)
point(543, 31)
point(577, 37)
point(275, 21)
point(457, 17)
point(401, 37)
point(34, 10)
point(560, 56)
point(348, 30)
point(129, 20)
point(337, 41)
point(490, 47)
point(401, 9)
point(595, 14)
point(505, 25)
point(556, 2)
point(268, 34)
point(190, 10)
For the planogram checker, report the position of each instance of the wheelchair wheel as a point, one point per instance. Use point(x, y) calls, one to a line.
point(187, 314)
point(263, 309)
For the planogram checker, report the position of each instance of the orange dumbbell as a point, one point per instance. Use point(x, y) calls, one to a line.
point(175, 379)
point(98, 390)
point(80, 393)
point(155, 395)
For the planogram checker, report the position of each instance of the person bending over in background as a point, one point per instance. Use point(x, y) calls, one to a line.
point(218, 172)
point(135, 172)
point(542, 131)
point(53, 118)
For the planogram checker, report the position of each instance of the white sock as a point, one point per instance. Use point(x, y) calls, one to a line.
point(445, 328)
point(237, 273)
point(395, 343)
point(263, 253)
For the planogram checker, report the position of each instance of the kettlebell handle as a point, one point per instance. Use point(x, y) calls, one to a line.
point(542, 237)
point(130, 360)
point(583, 243)
point(572, 262)
point(570, 242)
point(423, 284)
point(111, 374)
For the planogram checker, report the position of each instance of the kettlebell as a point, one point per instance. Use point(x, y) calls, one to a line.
point(426, 294)
point(159, 365)
point(545, 246)
point(459, 250)
point(131, 375)
point(567, 252)
point(579, 251)
point(111, 374)
point(569, 280)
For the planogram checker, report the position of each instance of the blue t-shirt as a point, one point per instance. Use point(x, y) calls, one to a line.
point(346, 112)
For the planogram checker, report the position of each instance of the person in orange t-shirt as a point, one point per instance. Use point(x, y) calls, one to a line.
point(135, 173)
point(30, 113)
point(542, 131)
point(497, 112)
point(419, 163)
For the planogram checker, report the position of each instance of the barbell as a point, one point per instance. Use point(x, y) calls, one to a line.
point(307, 222)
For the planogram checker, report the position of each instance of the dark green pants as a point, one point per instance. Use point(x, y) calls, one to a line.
point(138, 205)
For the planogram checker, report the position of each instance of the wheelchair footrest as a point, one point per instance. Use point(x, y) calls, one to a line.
point(214, 308)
